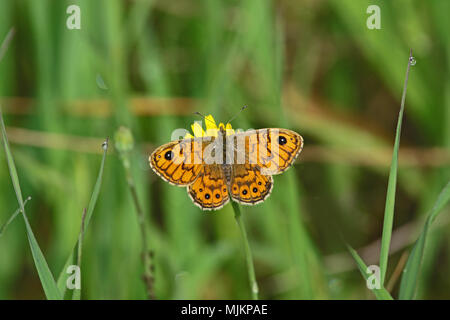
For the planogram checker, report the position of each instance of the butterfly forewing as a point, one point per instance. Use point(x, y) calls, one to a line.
point(273, 150)
point(179, 162)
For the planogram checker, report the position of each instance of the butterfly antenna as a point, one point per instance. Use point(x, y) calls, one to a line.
point(238, 113)
point(201, 115)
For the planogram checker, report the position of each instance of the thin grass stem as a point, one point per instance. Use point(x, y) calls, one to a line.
point(13, 216)
point(124, 144)
point(248, 253)
point(148, 276)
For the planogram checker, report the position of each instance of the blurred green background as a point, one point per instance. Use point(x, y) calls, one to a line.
point(311, 66)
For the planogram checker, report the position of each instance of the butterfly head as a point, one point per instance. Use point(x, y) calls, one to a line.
point(212, 129)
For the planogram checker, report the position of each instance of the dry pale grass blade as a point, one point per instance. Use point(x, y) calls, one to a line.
point(100, 108)
point(368, 157)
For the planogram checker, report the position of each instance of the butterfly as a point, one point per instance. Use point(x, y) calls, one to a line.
point(222, 163)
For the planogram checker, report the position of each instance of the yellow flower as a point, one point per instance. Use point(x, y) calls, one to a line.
point(212, 129)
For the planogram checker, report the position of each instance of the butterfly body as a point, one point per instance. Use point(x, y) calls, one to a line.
point(238, 166)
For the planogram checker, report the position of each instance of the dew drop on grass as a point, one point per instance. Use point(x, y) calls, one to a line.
point(413, 61)
point(105, 145)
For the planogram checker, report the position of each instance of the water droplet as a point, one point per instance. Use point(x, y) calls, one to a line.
point(412, 61)
point(255, 288)
point(105, 145)
point(100, 82)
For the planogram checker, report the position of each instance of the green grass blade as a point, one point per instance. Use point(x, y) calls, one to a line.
point(77, 293)
point(45, 275)
point(412, 268)
point(5, 44)
point(392, 184)
point(75, 256)
point(13, 216)
point(380, 294)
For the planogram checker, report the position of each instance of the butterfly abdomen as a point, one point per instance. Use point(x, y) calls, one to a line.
point(227, 172)
point(226, 167)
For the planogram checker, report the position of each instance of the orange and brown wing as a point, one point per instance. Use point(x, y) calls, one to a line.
point(248, 185)
point(209, 191)
point(272, 150)
point(178, 162)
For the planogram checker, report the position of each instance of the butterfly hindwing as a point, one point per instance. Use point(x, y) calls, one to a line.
point(248, 185)
point(209, 191)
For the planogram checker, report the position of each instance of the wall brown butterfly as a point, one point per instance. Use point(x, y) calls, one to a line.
point(227, 164)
